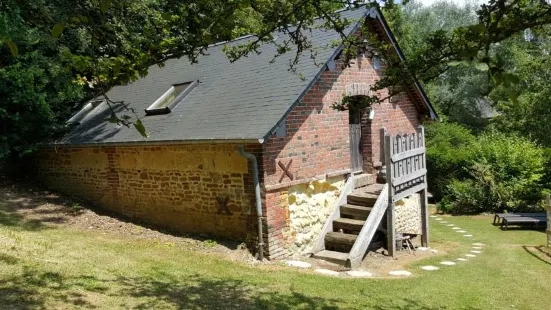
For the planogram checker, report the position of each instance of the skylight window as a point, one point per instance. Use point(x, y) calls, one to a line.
point(170, 98)
point(85, 111)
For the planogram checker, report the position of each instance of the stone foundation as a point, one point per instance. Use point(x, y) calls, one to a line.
point(310, 204)
point(408, 215)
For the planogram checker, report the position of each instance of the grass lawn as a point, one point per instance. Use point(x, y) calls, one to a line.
point(43, 265)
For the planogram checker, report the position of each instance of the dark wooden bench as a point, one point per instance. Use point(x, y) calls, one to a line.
point(499, 216)
point(521, 220)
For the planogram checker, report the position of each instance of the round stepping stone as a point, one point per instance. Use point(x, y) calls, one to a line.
point(438, 219)
point(359, 274)
point(297, 264)
point(470, 255)
point(468, 236)
point(461, 231)
point(456, 228)
point(433, 216)
point(429, 268)
point(402, 273)
point(327, 272)
point(443, 222)
point(477, 252)
point(450, 225)
point(479, 244)
point(447, 263)
point(477, 248)
point(461, 259)
point(422, 248)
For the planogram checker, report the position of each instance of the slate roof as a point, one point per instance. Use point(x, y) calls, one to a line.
point(243, 100)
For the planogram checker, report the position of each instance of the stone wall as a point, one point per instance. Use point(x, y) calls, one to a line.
point(408, 215)
point(173, 186)
point(310, 204)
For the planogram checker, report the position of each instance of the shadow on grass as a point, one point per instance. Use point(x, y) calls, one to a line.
point(539, 252)
point(43, 290)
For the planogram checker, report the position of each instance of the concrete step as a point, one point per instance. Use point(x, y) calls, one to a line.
point(332, 256)
point(348, 225)
point(364, 179)
point(362, 199)
point(355, 211)
point(339, 242)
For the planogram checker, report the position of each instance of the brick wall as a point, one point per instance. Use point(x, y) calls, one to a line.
point(170, 186)
point(317, 142)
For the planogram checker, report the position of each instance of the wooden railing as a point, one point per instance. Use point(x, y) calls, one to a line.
point(368, 230)
point(406, 171)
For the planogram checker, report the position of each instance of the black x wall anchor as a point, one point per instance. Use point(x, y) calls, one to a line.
point(223, 205)
point(286, 171)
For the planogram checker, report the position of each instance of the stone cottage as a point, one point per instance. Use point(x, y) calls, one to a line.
point(237, 147)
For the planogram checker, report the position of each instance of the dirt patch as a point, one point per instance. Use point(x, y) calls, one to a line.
point(32, 208)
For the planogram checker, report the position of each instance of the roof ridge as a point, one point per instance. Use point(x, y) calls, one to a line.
point(252, 35)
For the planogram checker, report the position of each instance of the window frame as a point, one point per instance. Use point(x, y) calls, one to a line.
point(85, 111)
point(152, 110)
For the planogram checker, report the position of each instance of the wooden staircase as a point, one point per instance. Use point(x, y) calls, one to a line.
point(356, 221)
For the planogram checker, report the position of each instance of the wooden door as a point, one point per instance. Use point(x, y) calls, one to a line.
point(355, 140)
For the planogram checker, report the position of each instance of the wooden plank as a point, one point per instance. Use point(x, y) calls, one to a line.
point(408, 192)
point(408, 153)
point(355, 211)
point(340, 238)
point(424, 219)
point(409, 177)
point(389, 148)
point(348, 224)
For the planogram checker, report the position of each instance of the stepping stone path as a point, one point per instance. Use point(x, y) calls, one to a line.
point(475, 251)
point(429, 268)
point(461, 231)
point(461, 259)
point(297, 264)
point(477, 248)
point(327, 272)
point(470, 255)
point(478, 244)
point(438, 219)
point(447, 263)
point(359, 274)
point(455, 228)
point(468, 236)
point(402, 273)
point(450, 225)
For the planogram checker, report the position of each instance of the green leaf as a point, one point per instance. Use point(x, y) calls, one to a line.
point(454, 63)
point(13, 48)
point(113, 119)
point(482, 66)
point(104, 5)
point(57, 30)
point(140, 128)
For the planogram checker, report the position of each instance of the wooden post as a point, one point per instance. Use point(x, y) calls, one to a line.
point(424, 196)
point(390, 227)
point(548, 231)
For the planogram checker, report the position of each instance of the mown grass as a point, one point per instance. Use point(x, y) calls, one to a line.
point(46, 267)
